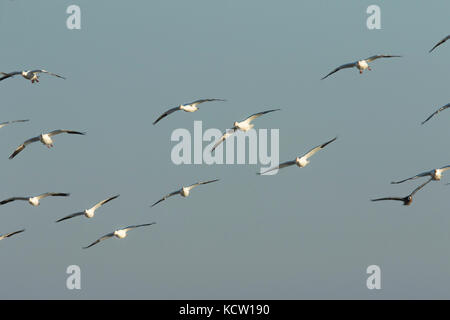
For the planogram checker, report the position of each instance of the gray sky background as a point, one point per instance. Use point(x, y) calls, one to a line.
point(304, 233)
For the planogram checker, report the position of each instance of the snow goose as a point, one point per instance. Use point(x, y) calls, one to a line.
point(244, 125)
point(439, 43)
point(406, 200)
point(303, 160)
point(35, 201)
point(435, 174)
point(184, 191)
point(7, 235)
point(436, 112)
point(120, 233)
point(361, 65)
point(10, 122)
point(32, 75)
point(45, 138)
point(189, 107)
point(88, 213)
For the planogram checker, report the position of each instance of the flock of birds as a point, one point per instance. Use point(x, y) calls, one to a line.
point(244, 125)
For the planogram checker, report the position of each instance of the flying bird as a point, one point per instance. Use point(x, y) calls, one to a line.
point(7, 235)
point(361, 65)
point(35, 201)
point(440, 42)
point(303, 160)
point(45, 138)
point(244, 125)
point(435, 174)
point(189, 107)
point(406, 200)
point(10, 122)
point(32, 75)
point(120, 233)
point(436, 112)
point(184, 191)
point(88, 213)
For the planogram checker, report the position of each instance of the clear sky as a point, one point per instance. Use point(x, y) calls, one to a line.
point(303, 233)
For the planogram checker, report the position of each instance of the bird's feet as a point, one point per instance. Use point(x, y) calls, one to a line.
point(360, 71)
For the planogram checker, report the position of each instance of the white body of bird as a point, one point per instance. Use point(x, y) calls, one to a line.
point(120, 233)
point(362, 65)
point(188, 108)
point(301, 162)
point(185, 191)
point(34, 201)
point(46, 140)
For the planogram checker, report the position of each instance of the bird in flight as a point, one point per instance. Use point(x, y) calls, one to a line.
point(7, 235)
point(32, 75)
point(244, 125)
point(406, 200)
point(10, 122)
point(361, 65)
point(35, 201)
point(189, 107)
point(184, 191)
point(45, 138)
point(303, 160)
point(88, 213)
point(120, 233)
point(439, 43)
point(435, 174)
point(436, 112)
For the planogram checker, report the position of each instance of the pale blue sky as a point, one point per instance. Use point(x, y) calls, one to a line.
point(304, 233)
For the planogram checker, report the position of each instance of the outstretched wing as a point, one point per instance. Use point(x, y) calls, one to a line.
point(257, 115)
point(436, 112)
point(10, 122)
point(281, 166)
point(165, 197)
point(59, 131)
point(165, 114)
point(22, 146)
point(311, 152)
point(420, 187)
point(12, 199)
point(420, 175)
point(223, 138)
point(200, 183)
point(139, 225)
point(70, 216)
point(388, 198)
point(45, 71)
point(109, 235)
point(9, 75)
point(197, 102)
point(98, 205)
point(7, 235)
point(378, 56)
point(344, 66)
point(52, 194)
point(437, 44)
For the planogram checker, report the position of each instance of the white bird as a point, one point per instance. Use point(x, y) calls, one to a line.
point(35, 201)
point(10, 122)
point(120, 233)
point(436, 112)
point(435, 174)
point(7, 235)
point(184, 191)
point(189, 107)
point(361, 65)
point(303, 160)
point(440, 42)
point(45, 138)
point(32, 75)
point(244, 125)
point(89, 213)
